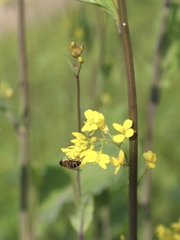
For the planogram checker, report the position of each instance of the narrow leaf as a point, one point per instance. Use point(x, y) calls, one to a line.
point(109, 5)
point(71, 65)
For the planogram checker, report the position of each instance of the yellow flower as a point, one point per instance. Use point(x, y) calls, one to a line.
point(95, 120)
point(96, 157)
point(160, 230)
point(118, 162)
point(73, 152)
point(125, 130)
point(81, 145)
point(166, 233)
point(176, 226)
point(78, 150)
point(150, 158)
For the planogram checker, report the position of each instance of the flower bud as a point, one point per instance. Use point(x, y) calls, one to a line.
point(80, 60)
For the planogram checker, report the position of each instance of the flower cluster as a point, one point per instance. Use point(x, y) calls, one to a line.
point(76, 51)
point(164, 233)
point(95, 120)
point(80, 146)
point(90, 148)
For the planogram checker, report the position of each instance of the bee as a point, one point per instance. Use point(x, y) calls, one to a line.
point(70, 163)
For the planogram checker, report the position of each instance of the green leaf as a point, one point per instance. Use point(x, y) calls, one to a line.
point(51, 207)
point(52, 182)
point(71, 65)
point(109, 5)
point(83, 215)
point(101, 180)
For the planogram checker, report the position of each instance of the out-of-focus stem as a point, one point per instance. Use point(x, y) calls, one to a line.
point(23, 128)
point(145, 200)
point(132, 107)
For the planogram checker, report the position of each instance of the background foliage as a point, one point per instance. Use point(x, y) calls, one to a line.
point(53, 117)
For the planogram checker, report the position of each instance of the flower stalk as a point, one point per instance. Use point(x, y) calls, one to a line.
point(79, 126)
point(78, 99)
point(132, 108)
point(76, 52)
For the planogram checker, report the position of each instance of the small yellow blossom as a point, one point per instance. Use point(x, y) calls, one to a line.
point(176, 226)
point(105, 98)
point(73, 152)
point(122, 237)
point(118, 162)
point(96, 157)
point(95, 120)
point(78, 150)
point(161, 231)
point(125, 130)
point(150, 158)
point(81, 144)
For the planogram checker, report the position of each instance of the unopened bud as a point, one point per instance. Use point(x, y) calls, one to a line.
point(80, 60)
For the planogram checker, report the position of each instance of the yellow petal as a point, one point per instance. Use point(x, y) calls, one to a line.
point(121, 156)
point(117, 169)
point(95, 117)
point(147, 155)
point(151, 165)
point(91, 156)
point(103, 165)
point(104, 158)
point(119, 138)
point(127, 124)
point(118, 127)
point(88, 113)
point(129, 133)
point(114, 161)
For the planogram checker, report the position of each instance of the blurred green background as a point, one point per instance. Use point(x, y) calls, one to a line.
point(50, 29)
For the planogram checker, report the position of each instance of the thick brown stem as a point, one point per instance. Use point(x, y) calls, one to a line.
point(132, 107)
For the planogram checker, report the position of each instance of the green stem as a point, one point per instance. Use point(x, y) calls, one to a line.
point(132, 106)
point(81, 235)
point(78, 99)
point(142, 177)
point(109, 141)
point(79, 123)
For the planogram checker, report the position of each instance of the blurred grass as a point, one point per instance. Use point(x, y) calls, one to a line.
point(53, 113)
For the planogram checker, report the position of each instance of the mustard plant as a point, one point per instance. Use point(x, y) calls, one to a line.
point(90, 141)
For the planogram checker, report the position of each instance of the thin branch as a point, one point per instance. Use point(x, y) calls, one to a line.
point(132, 106)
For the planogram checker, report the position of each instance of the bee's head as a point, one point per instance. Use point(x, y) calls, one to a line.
point(61, 162)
